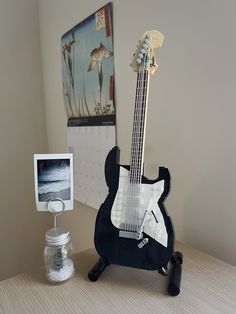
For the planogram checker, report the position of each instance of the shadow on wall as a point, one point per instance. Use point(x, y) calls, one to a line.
point(80, 222)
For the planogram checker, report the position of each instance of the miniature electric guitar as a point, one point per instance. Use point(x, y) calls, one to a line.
point(132, 227)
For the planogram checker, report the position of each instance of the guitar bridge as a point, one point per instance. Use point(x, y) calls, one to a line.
point(129, 235)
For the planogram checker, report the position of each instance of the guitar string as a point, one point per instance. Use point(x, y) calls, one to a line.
point(138, 147)
point(140, 139)
point(133, 162)
point(129, 206)
point(134, 152)
point(137, 180)
point(133, 159)
point(137, 143)
point(134, 187)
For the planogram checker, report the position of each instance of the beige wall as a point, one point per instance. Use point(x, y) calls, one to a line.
point(191, 120)
point(22, 133)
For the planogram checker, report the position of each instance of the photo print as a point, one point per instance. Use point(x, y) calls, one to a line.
point(53, 179)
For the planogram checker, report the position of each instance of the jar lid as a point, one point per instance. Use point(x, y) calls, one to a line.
point(57, 236)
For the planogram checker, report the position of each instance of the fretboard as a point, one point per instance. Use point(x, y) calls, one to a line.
point(139, 124)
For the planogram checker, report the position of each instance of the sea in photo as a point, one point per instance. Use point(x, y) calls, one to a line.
point(53, 179)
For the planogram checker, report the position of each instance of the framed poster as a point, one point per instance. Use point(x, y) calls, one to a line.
point(87, 70)
point(88, 89)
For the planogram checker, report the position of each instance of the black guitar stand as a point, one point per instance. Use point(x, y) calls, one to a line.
point(98, 269)
point(175, 274)
point(174, 271)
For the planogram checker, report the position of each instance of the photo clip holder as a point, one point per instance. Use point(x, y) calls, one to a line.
point(56, 206)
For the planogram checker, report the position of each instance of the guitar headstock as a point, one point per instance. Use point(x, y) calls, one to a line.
point(144, 56)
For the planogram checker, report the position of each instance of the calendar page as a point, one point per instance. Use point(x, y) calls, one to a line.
point(90, 146)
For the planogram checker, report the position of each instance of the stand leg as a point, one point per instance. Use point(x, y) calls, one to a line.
point(97, 269)
point(175, 275)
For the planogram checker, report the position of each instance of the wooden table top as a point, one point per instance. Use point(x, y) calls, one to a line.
point(208, 286)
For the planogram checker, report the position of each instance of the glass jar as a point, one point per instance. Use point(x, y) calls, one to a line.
point(58, 254)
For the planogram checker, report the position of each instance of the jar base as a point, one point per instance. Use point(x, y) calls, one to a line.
point(65, 273)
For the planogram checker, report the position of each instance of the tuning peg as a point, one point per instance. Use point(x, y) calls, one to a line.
point(140, 56)
point(139, 61)
point(142, 51)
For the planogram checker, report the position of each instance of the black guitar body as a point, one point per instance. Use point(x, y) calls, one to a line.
point(125, 251)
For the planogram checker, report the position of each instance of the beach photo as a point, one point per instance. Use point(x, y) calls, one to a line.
point(53, 179)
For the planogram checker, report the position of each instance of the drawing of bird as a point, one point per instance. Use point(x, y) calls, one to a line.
point(97, 56)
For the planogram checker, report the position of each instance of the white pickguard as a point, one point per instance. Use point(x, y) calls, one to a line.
point(128, 209)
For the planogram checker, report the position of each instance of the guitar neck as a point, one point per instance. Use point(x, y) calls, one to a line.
point(139, 126)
